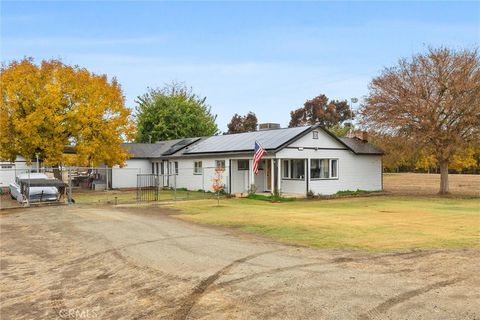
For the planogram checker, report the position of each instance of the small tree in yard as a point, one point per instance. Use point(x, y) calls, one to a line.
point(434, 98)
point(218, 186)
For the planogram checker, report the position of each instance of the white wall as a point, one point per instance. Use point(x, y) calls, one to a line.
point(186, 177)
point(354, 171)
point(126, 177)
point(240, 179)
point(9, 170)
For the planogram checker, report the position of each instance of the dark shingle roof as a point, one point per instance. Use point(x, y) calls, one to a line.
point(360, 147)
point(244, 142)
point(140, 150)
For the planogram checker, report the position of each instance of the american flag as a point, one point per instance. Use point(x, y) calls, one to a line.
point(259, 152)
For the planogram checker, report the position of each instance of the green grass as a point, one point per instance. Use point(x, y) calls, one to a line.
point(270, 198)
point(374, 223)
point(354, 192)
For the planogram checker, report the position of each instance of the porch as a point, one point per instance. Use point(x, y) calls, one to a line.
point(288, 176)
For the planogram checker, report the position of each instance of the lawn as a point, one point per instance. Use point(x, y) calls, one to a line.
point(380, 223)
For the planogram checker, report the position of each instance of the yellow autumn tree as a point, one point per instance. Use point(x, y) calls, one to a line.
point(45, 107)
point(464, 160)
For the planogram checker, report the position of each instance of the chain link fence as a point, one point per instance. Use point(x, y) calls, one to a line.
point(106, 185)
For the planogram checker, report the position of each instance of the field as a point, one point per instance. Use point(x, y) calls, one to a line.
point(373, 223)
point(428, 184)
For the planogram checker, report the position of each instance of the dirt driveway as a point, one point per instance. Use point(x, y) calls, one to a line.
point(107, 263)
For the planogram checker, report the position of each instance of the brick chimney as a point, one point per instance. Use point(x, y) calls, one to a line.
point(268, 126)
point(360, 135)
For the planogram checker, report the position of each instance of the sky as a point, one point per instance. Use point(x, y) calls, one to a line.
point(266, 57)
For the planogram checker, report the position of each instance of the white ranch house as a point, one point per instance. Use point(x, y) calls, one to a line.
point(298, 160)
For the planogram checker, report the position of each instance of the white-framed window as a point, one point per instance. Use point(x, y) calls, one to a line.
point(294, 169)
point(220, 164)
point(315, 134)
point(334, 168)
point(153, 167)
point(197, 167)
point(243, 164)
point(323, 168)
point(175, 167)
point(286, 170)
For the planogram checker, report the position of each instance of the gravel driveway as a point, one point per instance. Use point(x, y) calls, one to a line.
point(130, 263)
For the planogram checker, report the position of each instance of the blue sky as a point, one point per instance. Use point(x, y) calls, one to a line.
point(266, 57)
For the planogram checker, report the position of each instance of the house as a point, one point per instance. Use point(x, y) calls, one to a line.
point(9, 170)
point(298, 160)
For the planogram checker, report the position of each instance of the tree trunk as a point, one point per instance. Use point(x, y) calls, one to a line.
point(443, 177)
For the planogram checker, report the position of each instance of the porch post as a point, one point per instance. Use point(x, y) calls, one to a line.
point(251, 176)
point(272, 174)
point(279, 175)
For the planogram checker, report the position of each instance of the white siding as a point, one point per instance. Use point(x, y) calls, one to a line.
point(186, 177)
point(9, 170)
point(324, 141)
point(126, 177)
point(240, 183)
point(354, 171)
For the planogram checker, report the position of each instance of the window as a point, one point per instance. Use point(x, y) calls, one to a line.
point(197, 165)
point(162, 168)
point(334, 171)
point(297, 169)
point(220, 164)
point(243, 164)
point(286, 168)
point(153, 167)
point(323, 168)
point(315, 134)
point(158, 172)
point(175, 165)
point(294, 169)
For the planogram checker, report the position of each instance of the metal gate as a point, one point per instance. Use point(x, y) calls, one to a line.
point(147, 187)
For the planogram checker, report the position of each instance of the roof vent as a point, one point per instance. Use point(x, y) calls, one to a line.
point(268, 126)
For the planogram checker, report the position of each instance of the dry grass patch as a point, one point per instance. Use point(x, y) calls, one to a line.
point(429, 184)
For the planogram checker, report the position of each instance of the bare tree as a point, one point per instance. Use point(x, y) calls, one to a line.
point(433, 98)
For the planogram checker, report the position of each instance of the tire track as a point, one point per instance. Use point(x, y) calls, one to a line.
point(383, 307)
point(201, 288)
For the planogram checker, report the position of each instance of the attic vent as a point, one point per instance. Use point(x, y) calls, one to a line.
point(268, 126)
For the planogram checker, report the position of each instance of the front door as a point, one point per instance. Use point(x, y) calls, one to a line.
point(268, 174)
